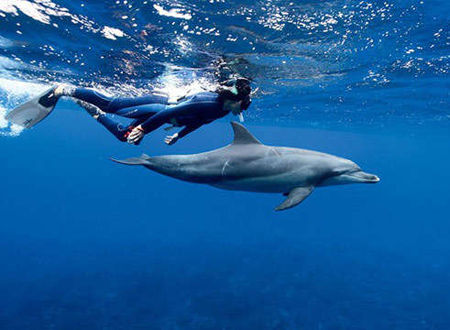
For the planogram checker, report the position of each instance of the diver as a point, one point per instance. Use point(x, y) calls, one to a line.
point(154, 110)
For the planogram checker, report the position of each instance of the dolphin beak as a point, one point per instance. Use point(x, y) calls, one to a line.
point(363, 177)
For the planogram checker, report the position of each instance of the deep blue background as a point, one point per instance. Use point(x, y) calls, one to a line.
point(86, 243)
point(89, 244)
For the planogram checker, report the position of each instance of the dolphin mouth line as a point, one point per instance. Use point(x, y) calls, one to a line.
point(377, 179)
point(363, 177)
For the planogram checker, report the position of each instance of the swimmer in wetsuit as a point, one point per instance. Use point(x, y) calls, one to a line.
point(154, 110)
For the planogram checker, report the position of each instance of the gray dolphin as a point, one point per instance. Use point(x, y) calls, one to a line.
point(248, 165)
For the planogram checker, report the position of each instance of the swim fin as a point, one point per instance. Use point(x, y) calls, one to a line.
point(32, 112)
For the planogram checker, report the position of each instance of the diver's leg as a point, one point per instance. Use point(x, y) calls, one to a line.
point(86, 95)
point(140, 114)
point(145, 110)
point(117, 129)
point(91, 109)
point(107, 103)
point(120, 131)
point(120, 103)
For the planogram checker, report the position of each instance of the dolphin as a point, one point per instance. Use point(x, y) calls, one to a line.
point(248, 165)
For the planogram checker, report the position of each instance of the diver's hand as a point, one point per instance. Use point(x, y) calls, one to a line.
point(136, 135)
point(171, 139)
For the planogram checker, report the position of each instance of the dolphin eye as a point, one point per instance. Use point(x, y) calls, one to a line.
point(337, 172)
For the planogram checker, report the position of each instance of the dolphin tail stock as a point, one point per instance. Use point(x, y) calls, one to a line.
point(142, 160)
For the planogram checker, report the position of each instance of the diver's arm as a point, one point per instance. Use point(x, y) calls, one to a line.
point(158, 119)
point(171, 139)
point(155, 121)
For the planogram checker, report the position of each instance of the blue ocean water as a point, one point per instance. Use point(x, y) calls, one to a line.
point(90, 244)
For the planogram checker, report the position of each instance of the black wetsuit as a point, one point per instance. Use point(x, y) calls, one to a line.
point(153, 111)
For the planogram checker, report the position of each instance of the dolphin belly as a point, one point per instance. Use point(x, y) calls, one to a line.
point(281, 183)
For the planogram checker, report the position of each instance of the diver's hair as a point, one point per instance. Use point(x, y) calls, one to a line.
point(226, 94)
point(243, 86)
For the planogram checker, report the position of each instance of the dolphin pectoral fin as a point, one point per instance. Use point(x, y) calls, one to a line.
point(295, 197)
point(143, 160)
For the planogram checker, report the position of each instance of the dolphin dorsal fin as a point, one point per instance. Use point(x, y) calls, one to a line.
point(242, 135)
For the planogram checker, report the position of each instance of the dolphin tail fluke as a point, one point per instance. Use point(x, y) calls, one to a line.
point(295, 197)
point(142, 160)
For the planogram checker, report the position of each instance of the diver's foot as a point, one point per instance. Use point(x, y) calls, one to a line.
point(91, 109)
point(49, 99)
point(64, 90)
